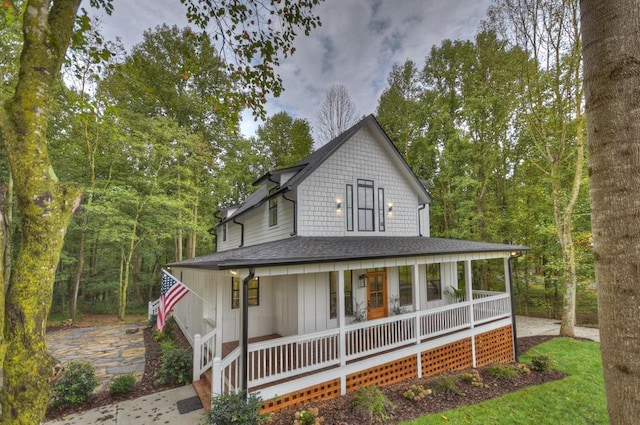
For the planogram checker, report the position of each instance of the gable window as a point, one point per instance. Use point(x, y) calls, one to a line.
point(224, 232)
point(434, 284)
point(365, 205)
point(381, 209)
point(333, 294)
point(253, 292)
point(405, 294)
point(273, 208)
point(349, 200)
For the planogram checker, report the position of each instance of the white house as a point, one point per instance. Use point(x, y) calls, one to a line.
point(344, 285)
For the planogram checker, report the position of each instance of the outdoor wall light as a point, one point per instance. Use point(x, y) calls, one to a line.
point(339, 205)
point(390, 207)
point(363, 280)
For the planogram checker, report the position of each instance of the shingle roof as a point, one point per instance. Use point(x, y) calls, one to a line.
point(305, 250)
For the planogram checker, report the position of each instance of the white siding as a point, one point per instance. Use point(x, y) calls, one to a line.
point(362, 157)
point(286, 305)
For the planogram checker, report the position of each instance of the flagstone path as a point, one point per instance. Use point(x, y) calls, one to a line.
point(113, 350)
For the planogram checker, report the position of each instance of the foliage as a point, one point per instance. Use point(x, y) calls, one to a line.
point(308, 417)
point(285, 141)
point(416, 393)
point(175, 366)
point(371, 404)
point(556, 402)
point(503, 371)
point(75, 385)
point(236, 408)
point(122, 384)
point(542, 362)
point(448, 384)
point(474, 379)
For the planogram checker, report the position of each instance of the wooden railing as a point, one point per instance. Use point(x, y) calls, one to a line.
point(204, 351)
point(152, 308)
point(277, 359)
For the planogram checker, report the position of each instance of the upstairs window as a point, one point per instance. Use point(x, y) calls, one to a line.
point(253, 291)
point(349, 200)
point(273, 208)
point(224, 232)
point(365, 206)
point(381, 209)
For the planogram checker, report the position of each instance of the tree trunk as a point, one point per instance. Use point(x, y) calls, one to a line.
point(610, 32)
point(45, 207)
point(79, 270)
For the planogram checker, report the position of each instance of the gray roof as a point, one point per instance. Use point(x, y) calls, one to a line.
point(309, 164)
point(306, 250)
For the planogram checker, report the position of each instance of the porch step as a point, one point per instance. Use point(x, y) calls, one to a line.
point(203, 388)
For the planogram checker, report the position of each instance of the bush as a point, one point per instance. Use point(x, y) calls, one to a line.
point(371, 403)
point(236, 408)
point(542, 362)
point(502, 371)
point(448, 384)
point(75, 385)
point(308, 417)
point(474, 379)
point(122, 384)
point(175, 367)
point(416, 392)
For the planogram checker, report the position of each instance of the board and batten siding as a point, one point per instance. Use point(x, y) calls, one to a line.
point(362, 157)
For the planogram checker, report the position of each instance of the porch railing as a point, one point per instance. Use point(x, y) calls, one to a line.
point(152, 308)
point(277, 359)
point(204, 351)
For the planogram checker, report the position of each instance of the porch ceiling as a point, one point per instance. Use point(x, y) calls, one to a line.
point(305, 250)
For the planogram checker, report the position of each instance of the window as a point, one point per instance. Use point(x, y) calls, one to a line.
point(273, 208)
point(434, 285)
point(253, 292)
point(224, 232)
point(349, 200)
point(381, 209)
point(333, 294)
point(365, 205)
point(406, 285)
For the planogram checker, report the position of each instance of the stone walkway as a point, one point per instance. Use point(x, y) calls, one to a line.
point(531, 326)
point(113, 350)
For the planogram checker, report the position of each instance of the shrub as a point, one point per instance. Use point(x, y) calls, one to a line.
point(175, 367)
point(122, 384)
point(236, 408)
point(542, 362)
point(371, 403)
point(448, 384)
point(474, 379)
point(416, 393)
point(308, 417)
point(75, 385)
point(502, 371)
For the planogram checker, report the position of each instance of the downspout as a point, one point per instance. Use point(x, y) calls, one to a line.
point(245, 330)
point(423, 206)
point(241, 232)
point(295, 215)
point(512, 256)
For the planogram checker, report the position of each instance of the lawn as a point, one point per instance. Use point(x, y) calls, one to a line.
point(577, 399)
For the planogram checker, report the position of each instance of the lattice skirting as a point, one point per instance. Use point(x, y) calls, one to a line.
point(495, 347)
point(325, 391)
point(491, 347)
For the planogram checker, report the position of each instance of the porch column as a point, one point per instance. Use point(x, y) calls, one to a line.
point(219, 336)
point(341, 318)
point(416, 303)
point(468, 288)
point(509, 290)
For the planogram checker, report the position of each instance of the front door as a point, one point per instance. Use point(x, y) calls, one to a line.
point(376, 293)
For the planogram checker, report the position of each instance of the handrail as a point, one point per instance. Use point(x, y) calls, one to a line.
point(204, 351)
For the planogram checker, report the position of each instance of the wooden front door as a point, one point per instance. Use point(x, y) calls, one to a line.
point(376, 294)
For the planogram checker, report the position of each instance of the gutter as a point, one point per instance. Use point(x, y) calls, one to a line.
point(295, 214)
point(241, 232)
point(245, 331)
point(420, 208)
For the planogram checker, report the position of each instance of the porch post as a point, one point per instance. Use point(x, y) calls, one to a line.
point(468, 288)
point(342, 333)
point(509, 290)
point(244, 371)
point(416, 303)
point(219, 335)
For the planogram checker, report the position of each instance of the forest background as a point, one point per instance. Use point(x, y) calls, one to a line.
point(495, 125)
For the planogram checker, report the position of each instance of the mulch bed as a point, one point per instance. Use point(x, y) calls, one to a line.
point(338, 411)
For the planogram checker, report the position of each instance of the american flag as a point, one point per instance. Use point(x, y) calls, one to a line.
point(171, 291)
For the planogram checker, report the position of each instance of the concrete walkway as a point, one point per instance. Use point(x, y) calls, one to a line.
point(531, 326)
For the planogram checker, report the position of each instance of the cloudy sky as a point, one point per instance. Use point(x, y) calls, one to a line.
point(357, 45)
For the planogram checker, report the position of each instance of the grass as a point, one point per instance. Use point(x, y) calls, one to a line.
point(577, 399)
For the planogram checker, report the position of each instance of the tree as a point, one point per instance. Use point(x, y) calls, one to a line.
point(611, 56)
point(337, 112)
point(285, 140)
point(259, 32)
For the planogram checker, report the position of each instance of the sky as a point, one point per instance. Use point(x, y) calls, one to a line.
point(356, 46)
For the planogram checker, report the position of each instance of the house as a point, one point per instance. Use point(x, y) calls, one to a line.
point(332, 264)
